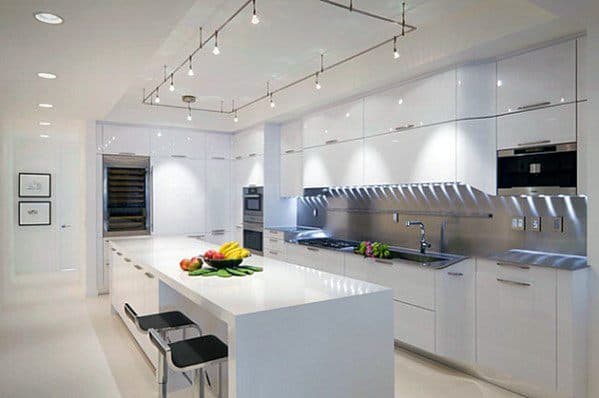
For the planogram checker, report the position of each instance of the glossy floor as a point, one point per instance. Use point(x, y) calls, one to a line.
point(54, 343)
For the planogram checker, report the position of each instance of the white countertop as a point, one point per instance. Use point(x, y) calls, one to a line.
point(280, 285)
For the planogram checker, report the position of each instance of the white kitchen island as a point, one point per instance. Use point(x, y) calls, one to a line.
point(292, 331)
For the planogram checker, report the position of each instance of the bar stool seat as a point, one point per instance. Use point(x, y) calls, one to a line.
point(163, 321)
point(198, 350)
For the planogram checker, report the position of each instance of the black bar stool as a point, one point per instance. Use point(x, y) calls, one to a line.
point(194, 354)
point(162, 323)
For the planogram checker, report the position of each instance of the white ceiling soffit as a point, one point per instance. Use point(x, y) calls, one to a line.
point(99, 49)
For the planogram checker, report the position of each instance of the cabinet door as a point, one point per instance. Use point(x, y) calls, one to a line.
point(326, 260)
point(252, 171)
point(340, 123)
point(545, 76)
point(476, 90)
point(248, 142)
point(415, 156)
point(455, 312)
point(179, 190)
point(291, 137)
point(291, 174)
point(218, 146)
point(421, 102)
point(218, 194)
point(125, 140)
point(516, 322)
point(414, 326)
point(237, 174)
point(333, 165)
point(177, 143)
point(477, 145)
point(218, 236)
point(542, 126)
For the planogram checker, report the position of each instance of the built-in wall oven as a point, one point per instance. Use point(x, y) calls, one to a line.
point(545, 169)
point(253, 219)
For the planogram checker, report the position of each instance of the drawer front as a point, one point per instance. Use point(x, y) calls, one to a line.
point(276, 253)
point(274, 243)
point(415, 285)
point(414, 326)
point(273, 233)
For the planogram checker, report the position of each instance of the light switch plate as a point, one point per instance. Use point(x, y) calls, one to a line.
point(518, 223)
point(557, 224)
point(534, 224)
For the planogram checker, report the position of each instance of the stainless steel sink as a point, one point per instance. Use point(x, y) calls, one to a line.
point(418, 257)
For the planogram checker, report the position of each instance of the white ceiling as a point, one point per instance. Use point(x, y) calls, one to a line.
point(106, 52)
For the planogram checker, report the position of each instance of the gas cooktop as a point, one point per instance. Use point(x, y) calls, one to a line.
point(328, 243)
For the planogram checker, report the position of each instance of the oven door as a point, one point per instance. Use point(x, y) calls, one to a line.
point(549, 170)
point(252, 204)
point(252, 238)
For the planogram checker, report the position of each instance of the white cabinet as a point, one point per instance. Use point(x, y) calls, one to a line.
point(476, 90)
point(476, 154)
point(542, 126)
point(414, 326)
point(248, 143)
point(292, 174)
point(340, 123)
point(540, 77)
point(455, 312)
point(125, 140)
point(218, 236)
point(333, 165)
point(419, 155)
point(516, 323)
point(291, 137)
point(218, 194)
point(218, 146)
point(420, 102)
point(179, 196)
point(178, 143)
point(274, 245)
point(252, 171)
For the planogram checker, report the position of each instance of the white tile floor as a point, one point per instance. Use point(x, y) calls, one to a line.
point(54, 343)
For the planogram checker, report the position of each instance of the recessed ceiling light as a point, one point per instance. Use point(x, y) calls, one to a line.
point(45, 123)
point(46, 75)
point(44, 136)
point(49, 18)
point(45, 105)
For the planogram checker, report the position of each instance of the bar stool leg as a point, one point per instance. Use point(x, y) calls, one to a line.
point(162, 376)
point(220, 380)
point(198, 383)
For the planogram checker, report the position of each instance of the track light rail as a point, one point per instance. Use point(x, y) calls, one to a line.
point(351, 8)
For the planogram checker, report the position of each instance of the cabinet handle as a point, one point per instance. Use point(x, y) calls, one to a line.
point(113, 249)
point(378, 260)
point(312, 249)
point(251, 155)
point(274, 240)
point(119, 253)
point(329, 142)
point(544, 103)
point(290, 151)
point(137, 266)
point(149, 275)
point(218, 158)
point(127, 259)
point(238, 157)
point(507, 264)
point(273, 252)
point(513, 282)
point(127, 153)
point(218, 232)
point(404, 127)
point(534, 143)
point(455, 274)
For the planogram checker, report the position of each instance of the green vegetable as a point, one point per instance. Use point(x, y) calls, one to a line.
point(211, 273)
point(252, 268)
point(201, 271)
point(235, 272)
point(223, 273)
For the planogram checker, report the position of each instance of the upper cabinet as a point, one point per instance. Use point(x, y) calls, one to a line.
point(337, 124)
point(477, 145)
point(291, 137)
point(476, 90)
point(291, 174)
point(333, 165)
point(177, 143)
point(421, 155)
point(537, 78)
point(218, 146)
point(420, 102)
point(248, 143)
point(125, 140)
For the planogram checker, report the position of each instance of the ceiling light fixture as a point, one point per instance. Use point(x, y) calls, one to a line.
point(171, 87)
point(45, 123)
point(42, 105)
point(190, 71)
point(395, 52)
point(215, 50)
point(157, 98)
point(189, 113)
point(49, 18)
point(235, 118)
point(44, 136)
point(255, 19)
point(46, 75)
point(272, 102)
point(316, 82)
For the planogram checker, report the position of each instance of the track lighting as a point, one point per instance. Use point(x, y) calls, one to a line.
point(189, 113)
point(272, 102)
point(171, 87)
point(235, 118)
point(190, 71)
point(395, 52)
point(215, 50)
point(317, 83)
point(255, 19)
point(157, 98)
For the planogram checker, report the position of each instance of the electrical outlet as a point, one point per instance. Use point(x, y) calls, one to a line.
point(396, 217)
point(534, 224)
point(518, 223)
point(557, 224)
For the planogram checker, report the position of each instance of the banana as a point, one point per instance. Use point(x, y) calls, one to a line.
point(232, 246)
point(225, 246)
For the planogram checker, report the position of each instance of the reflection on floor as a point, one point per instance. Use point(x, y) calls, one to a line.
point(54, 343)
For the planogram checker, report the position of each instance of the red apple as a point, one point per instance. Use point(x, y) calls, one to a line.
point(184, 264)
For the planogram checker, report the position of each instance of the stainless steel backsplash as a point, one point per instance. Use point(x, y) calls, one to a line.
point(458, 218)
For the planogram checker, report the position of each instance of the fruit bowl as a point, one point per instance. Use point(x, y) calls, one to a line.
point(226, 263)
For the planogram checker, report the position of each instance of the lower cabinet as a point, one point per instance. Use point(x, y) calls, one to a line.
point(218, 236)
point(312, 257)
point(414, 326)
point(274, 245)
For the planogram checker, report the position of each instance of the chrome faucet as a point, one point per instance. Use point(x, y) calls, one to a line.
point(423, 243)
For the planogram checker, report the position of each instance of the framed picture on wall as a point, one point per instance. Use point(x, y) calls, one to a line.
point(35, 213)
point(35, 185)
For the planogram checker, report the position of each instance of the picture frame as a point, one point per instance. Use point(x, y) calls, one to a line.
point(35, 213)
point(35, 185)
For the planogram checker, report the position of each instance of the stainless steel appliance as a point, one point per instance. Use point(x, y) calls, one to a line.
point(127, 187)
point(253, 219)
point(546, 169)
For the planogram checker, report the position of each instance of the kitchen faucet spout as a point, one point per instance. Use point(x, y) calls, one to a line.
point(423, 242)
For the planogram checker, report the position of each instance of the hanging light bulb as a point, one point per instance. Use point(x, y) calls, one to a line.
point(395, 52)
point(189, 113)
point(215, 50)
point(272, 102)
point(255, 19)
point(317, 83)
point(171, 87)
point(235, 118)
point(190, 71)
point(157, 98)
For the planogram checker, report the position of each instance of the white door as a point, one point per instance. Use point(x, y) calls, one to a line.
point(68, 215)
